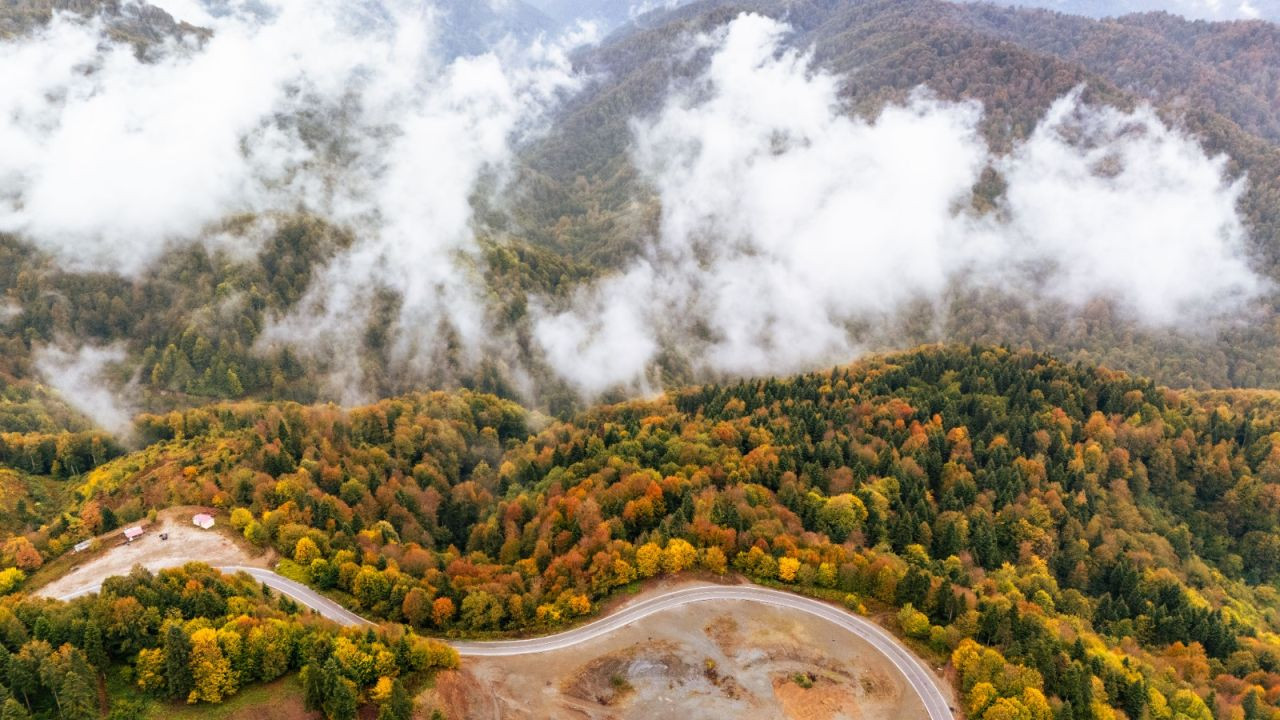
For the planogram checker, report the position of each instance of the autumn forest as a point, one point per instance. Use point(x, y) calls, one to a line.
point(1078, 543)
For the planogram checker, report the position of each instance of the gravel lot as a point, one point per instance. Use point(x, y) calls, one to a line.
point(186, 543)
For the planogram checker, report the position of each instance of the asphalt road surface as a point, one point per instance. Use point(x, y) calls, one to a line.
point(917, 675)
point(301, 594)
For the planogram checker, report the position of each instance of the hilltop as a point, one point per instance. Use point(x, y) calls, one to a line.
point(1112, 540)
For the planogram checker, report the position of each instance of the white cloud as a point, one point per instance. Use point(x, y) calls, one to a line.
point(106, 159)
point(435, 133)
point(1122, 205)
point(447, 136)
point(347, 110)
point(640, 7)
point(787, 224)
point(77, 375)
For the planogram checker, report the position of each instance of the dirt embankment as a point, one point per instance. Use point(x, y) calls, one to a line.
point(732, 659)
point(185, 543)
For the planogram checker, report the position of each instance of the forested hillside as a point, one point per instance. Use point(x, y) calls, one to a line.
point(193, 635)
point(190, 327)
point(486, 240)
point(1079, 542)
point(1016, 62)
point(1193, 9)
point(1214, 80)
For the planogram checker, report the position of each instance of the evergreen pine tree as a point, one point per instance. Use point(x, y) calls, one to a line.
point(77, 698)
point(13, 710)
point(177, 661)
point(342, 702)
point(399, 706)
point(94, 651)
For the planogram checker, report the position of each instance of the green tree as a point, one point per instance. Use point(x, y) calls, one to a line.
point(177, 661)
point(13, 710)
point(126, 710)
point(94, 650)
point(399, 706)
point(24, 670)
point(841, 515)
point(78, 699)
point(341, 700)
point(315, 687)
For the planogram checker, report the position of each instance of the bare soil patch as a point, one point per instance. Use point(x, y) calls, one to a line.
point(824, 700)
point(186, 543)
point(725, 660)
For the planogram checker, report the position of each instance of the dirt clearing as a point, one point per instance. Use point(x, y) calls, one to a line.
point(732, 659)
point(186, 543)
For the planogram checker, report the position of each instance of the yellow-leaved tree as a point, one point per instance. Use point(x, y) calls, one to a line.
point(211, 672)
point(787, 569)
point(648, 559)
point(679, 555)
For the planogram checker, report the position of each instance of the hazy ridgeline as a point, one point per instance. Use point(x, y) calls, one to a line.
point(344, 200)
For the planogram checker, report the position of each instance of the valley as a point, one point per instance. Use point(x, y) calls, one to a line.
point(608, 359)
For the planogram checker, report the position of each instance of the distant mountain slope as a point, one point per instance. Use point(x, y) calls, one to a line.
point(473, 26)
point(1219, 80)
point(609, 12)
point(581, 198)
point(1230, 68)
point(606, 13)
point(1194, 9)
point(576, 209)
point(465, 26)
point(136, 23)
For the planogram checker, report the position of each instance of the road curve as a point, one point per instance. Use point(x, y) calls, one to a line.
point(919, 676)
point(916, 673)
point(301, 594)
point(294, 590)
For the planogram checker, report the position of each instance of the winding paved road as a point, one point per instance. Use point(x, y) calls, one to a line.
point(919, 676)
point(301, 594)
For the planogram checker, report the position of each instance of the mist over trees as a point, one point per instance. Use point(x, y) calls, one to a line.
point(385, 303)
point(253, 305)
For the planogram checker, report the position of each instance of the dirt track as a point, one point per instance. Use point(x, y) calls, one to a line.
point(186, 543)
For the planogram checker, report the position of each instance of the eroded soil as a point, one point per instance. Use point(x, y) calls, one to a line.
point(738, 660)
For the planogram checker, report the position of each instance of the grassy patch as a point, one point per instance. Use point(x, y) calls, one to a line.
point(619, 683)
point(300, 574)
point(294, 571)
point(283, 698)
point(42, 498)
point(279, 700)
